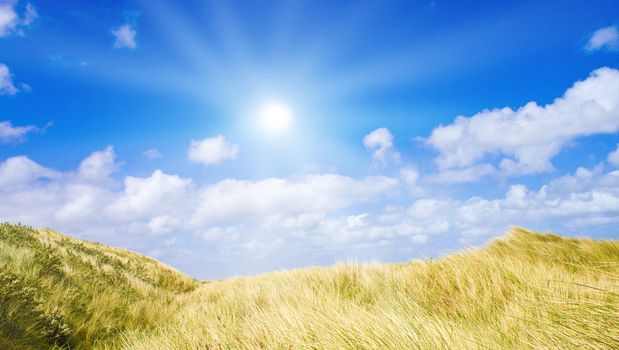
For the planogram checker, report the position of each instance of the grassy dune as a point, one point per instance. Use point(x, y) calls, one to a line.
point(64, 292)
point(527, 290)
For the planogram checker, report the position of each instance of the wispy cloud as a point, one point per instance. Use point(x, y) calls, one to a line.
point(152, 153)
point(11, 22)
point(6, 81)
point(9, 133)
point(604, 38)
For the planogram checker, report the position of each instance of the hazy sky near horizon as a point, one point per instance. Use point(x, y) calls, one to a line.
point(238, 137)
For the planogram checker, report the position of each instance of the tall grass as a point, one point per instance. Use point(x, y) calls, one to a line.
point(524, 291)
point(57, 291)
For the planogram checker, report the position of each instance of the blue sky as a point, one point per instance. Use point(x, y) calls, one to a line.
point(238, 137)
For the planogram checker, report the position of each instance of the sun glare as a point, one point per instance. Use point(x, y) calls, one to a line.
point(275, 116)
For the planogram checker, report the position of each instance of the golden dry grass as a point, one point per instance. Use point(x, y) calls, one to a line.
point(523, 291)
point(64, 292)
point(526, 291)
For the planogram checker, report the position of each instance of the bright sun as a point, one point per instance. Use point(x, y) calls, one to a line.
point(275, 116)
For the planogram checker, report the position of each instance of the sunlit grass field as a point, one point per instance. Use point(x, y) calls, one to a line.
point(56, 290)
point(524, 291)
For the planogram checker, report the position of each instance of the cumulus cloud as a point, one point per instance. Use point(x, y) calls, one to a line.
point(587, 198)
point(604, 38)
point(13, 23)
point(307, 218)
point(20, 172)
point(235, 200)
point(89, 200)
point(211, 151)
point(9, 133)
point(6, 81)
point(125, 36)
point(613, 157)
point(565, 202)
point(98, 166)
point(526, 139)
point(151, 197)
point(380, 142)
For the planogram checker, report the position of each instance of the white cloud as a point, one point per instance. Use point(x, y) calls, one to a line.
point(564, 203)
point(125, 36)
point(410, 177)
point(6, 82)
point(89, 201)
point(613, 157)
point(305, 219)
point(8, 132)
point(98, 166)
point(607, 38)
point(462, 175)
point(74, 202)
point(416, 224)
point(587, 198)
point(528, 138)
point(8, 17)
point(11, 22)
point(152, 198)
point(17, 172)
point(163, 224)
point(152, 153)
point(211, 151)
point(235, 200)
point(380, 142)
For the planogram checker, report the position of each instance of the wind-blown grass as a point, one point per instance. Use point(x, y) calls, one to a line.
point(527, 290)
point(63, 292)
